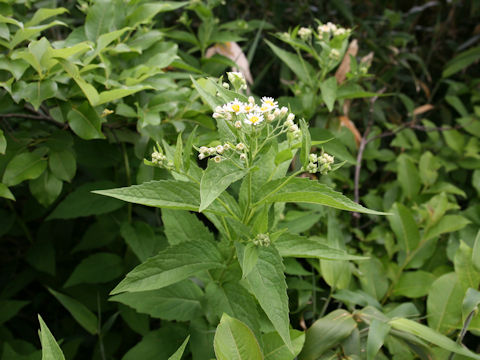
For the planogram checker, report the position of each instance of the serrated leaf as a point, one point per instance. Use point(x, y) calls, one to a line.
point(181, 226)
point(247, 257)
point(216, 179)
point(24, 166)
point(79, 311)
point(50, 348)
point(235, 341)
point(170, 266)
point(307, 191)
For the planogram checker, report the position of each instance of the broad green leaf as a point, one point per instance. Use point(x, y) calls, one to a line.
point(275, 349)
point(461, 61)
point(329, 92)
point(408, 176)
point(291, 245)
point(306, 143)
point(106, 39)
point(85, 122)
point(216, 179)
point(3, 142)
point(44, 14)
point(307, 191)
point(98, 268)
point(444, 303)
point(300, 67)
point(81, 202)
point(143, 13)
point(430, 335)
point(448, 223)
point(414, 284)
point(10, 308)
point(62, 164)
point(99, 20)
point(235, 341)
point(466, 273)
point(79, 311)
point(31, 32)
point(46, 188)
point(180, 302)
point(35, 92)
point(470, 302)
point(326, 333)
point(170, 266)
point(15, 67)
point(89, 91)
point(405, 228)
point(376, 336)
point(8, 20)
point(247, 257)
point(181, 226)
point(178, 354)
point(50, 348)
point(5, 192)
point(476, 252)
point(115, 94)
point(66, 52)
point(24, 166)
point(141, 239)
point(267, 282)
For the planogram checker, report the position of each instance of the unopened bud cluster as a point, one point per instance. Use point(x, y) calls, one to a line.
point(262, 240)
point(159, 159)
point(237, 79)
point(321, 164)
point(325, 31)
point(305, 33)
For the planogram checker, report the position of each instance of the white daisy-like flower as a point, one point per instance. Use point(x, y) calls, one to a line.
point(268, 103)
point(249, 108)
point(254, 119)
point(235, 106)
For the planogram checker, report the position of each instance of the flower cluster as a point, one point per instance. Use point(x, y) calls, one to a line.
point(159, 159)
point(262, 240)
point(305, 33)
point(321, 164)
point(328, 29)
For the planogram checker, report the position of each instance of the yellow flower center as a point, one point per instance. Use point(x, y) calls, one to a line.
point(254, 119)
point(269, 102)
point(248, 108)
point(236, 107)
point(264, 108)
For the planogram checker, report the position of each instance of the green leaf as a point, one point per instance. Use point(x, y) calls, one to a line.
point(301, 68)
point(141, 239)
point(461, 61)
point(44, 14)
point(405, 228)
point(143, 13)
point(99, 19)
point(247, 257)
point(372, 278)
point(35, 92)
point(235, 341)
point(376, 336)
point(307, 191)
point(96, 269)
point(448, 223)
point(180, 302)
point(178, 354)
point(470, 303)
point(46, 188)
point(267, 282)
point(31, 32)
point(81, 202)
point(216, 179)
point(10, 308)
point(50, 348)
point(115, 94)
point(414, 284)
point(66, 52)
point(275, 349)
point(466, 273)
point(3, 142)
point(85, 122)
point(290, 245)
point(430, 335)
point(408, 176)
point(329, 92)
point(62, 164)
point(476, 252)
point(326, 333)
point(444, 303)
point(181, 226)
point(5, 192)
point(306, 143)
point(79, 311)
point(89, 91)
point(170, 266)
point(24, 166)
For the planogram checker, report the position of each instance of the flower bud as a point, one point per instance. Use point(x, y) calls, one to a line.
point(201, 156)
point(203, 149)
point(219, 149)
point(211, 150)
point(277, 112)
point(293, 128)
point(270, 117)
point(243, 157)
point(283, 110)
point(217, 158)
point(251, 100)
point(313, 158)
point(240, 146)
point(226, 147)
point(226, 85)
point(290, 117)
point(238, 124)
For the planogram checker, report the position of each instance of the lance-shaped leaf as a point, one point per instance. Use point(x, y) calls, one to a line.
point(235, 341)
point(170, 266)
point(290, 245)
point(307, 191)
point(50, 348)
point(267, 282)
point(216, 179)
point(178, 354)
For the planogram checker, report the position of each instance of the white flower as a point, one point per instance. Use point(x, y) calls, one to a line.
point(293, 128)
point(211, 150)
point(238, 124)
point(268, 104)
point(313, 158)
point(243, 157)
point(216, 115)
point(277, 112)
point(283, 110)
point(270, 117)
point(201, 156)
point(305, 33)
point(254, 119)
point(240, 146)
point(251, 100)
point(219, 109)
point(250, 108)
point(226, 85)
point(312, 168)
point(290, 117)
point(326, 159)
point(339, 31)
point(217, 158)
point(289, 123)
point(235, 106)
point(203, 149)
point(226, 147)
point(228, 116)
point(219, 149)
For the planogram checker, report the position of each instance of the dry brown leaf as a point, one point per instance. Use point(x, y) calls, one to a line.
point(345, 121)
point(367, 59)
point(344, 67)
point(425, 89)
point(422, 109)
point(234, 52)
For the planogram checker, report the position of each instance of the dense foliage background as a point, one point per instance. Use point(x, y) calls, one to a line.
point(88, 88)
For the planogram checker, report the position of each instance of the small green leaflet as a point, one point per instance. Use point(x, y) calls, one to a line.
point(50, 348)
